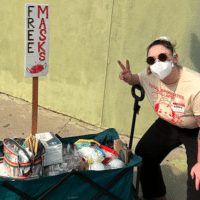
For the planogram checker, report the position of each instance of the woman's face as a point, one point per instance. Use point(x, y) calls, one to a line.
point(158, 49)
point(155, 51)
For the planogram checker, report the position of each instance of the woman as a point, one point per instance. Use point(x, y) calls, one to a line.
point(174, 93)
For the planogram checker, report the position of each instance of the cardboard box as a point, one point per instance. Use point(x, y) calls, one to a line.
point(53, 147)
point(123, 151)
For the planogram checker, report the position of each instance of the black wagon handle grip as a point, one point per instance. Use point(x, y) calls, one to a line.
point(141, 90)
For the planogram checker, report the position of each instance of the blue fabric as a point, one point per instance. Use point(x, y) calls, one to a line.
point(74, 187)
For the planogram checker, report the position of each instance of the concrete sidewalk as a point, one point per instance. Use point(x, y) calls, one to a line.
point(15, 120)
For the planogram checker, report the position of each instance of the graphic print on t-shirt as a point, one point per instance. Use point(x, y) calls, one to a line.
point(166, 106)
point(182, 108)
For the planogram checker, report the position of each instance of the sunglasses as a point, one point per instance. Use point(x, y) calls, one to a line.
point(151, 60)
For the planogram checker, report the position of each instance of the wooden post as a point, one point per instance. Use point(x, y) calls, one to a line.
point(35, 105)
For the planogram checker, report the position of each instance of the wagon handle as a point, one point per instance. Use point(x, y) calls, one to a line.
point(136, 109)
point(141, 90)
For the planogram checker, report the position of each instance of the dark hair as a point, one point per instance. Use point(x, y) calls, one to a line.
point(164, 43)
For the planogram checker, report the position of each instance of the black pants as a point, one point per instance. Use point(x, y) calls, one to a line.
point(154, 146)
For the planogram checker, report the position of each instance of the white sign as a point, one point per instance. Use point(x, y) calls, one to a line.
point(37, 40)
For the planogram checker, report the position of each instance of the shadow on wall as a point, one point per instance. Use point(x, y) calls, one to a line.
point(195, 51)
point(176, 185)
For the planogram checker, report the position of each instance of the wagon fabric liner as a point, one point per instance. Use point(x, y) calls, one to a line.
point(84, 185)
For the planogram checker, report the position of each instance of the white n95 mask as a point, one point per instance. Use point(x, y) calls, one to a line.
point(162, 69)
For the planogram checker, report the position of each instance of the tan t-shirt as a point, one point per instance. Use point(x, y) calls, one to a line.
point(177, 103)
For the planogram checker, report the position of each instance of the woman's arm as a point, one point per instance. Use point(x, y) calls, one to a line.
point(197, 117)
point(196, 169)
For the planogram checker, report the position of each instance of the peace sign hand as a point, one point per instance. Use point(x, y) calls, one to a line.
point(126, 74)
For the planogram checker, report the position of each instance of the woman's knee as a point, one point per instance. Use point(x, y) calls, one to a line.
point(147, 152)
point(140, 150)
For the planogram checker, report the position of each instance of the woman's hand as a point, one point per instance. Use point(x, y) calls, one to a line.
point(125, 74)
point(196, 171)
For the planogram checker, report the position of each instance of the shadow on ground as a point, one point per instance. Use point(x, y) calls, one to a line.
point(175, 183)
